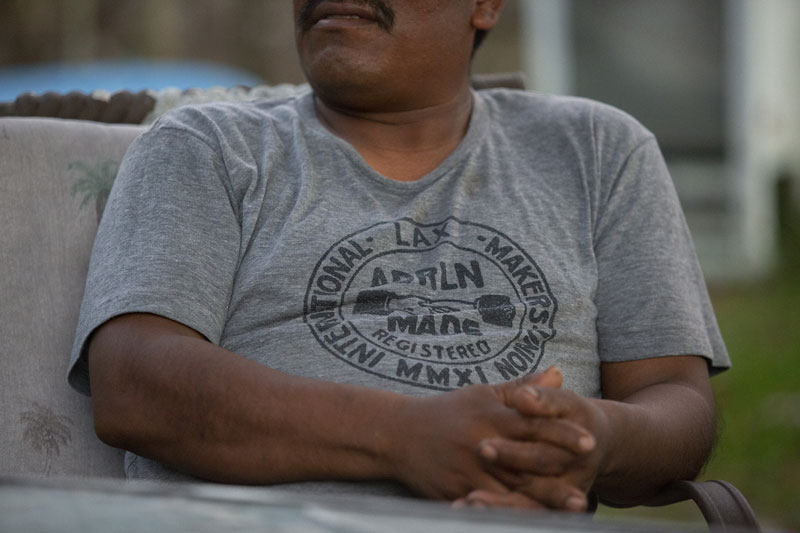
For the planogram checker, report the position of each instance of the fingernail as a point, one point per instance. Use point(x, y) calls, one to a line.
point(531, 391)
point(586, 443)
point(575, 503)
point(488, 452)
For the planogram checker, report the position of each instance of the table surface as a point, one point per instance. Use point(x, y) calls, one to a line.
point(122, 506)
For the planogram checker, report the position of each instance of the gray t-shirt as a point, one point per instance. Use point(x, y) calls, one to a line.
point(551, 236)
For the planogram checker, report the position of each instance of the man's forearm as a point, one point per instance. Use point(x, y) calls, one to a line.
point(210, 413)
point(164, 392)
point(658, 434)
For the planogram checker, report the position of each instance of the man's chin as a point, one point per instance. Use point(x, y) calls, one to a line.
point(336, 73)
point(353, 93)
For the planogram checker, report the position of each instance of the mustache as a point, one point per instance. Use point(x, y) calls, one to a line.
point(382, 10)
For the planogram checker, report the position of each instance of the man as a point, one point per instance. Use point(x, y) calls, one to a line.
point(363, 284)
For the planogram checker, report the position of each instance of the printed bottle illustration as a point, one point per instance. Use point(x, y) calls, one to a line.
point(494, 309)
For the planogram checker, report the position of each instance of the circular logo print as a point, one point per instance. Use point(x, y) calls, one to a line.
point(438, 306)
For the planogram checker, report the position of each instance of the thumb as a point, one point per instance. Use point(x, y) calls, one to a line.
point(551, 378)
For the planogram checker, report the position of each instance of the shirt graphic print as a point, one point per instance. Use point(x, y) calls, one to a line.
point(438, 306)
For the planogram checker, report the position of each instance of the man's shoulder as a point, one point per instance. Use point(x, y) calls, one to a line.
point(231, 118)
point(530, 110)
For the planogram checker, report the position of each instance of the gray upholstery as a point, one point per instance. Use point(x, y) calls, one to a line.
point(54, 177)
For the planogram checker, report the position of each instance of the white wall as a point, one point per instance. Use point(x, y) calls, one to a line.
point(763, 119)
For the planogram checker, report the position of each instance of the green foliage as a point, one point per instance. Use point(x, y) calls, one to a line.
point(759, 401)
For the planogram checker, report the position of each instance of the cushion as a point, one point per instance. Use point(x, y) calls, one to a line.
point(54, 178)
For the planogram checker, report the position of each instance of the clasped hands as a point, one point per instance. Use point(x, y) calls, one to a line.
point(525, 444)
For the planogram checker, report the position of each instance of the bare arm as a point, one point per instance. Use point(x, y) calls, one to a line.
point(162, 391)
point(655, 424)
point(661, 425)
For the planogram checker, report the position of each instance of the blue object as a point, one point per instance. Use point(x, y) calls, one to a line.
point(132, 75)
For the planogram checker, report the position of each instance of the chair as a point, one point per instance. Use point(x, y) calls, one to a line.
point(55, 175)
point(125, 107)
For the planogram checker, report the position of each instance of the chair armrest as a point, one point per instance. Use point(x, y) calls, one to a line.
point(722, 505)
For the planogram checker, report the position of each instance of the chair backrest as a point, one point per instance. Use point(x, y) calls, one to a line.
point(125, 107)
point(54, 177)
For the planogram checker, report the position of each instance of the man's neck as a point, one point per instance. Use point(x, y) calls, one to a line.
point(402, 145)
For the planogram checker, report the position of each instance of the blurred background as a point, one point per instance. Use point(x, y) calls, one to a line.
point(718, 81)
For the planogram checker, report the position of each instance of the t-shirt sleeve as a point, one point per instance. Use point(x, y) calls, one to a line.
point(168, 242)
point(651, 296)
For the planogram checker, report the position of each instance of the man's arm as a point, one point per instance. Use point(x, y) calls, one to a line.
point(162, 391)
point(661, 423)
point(655, 424)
